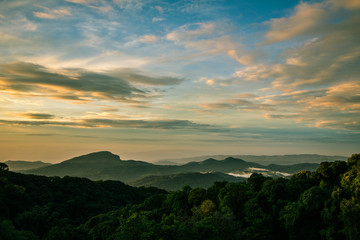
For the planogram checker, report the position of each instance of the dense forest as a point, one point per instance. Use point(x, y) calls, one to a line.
point(324, 204)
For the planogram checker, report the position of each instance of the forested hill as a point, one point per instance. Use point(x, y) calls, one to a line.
point(323, 204)
point(45, 207)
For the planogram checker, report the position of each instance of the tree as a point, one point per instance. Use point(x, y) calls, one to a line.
point(4, 167)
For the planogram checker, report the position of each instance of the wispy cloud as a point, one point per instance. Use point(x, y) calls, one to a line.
point(160, 9)
point(130, 4)
point(209, 38)
point(102, 6)
point(138, 77)
point(148, 39)
point(113, 123)
point(326, 50)
point(306, 19)
point(23, 79)
point(187, 32)
point(78, 83)
point(155, 124)
point(36, 115)
point(158, 19)
point(53, 13)
point(337, 106)
point(237, 104)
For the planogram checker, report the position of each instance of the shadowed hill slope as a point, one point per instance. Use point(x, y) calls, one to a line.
point(178, 181)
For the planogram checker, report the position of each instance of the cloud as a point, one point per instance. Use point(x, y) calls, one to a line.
point(74, 83)
point(311, 19)
point(113, 123)
point(348, 4)
point(238, 104)
point(137, 77)
point(191, 31)
point(148, 39)
point(307, 18)
point(158, 19)
point(210, 82)
point(53, 14)
point(155, 124)
point(341, 97)
point(81, 1)
point(35, 115)
point(38, 123)
point(337, 106)
point(102, 6)
point(130, 4)
point(160, 9)
point(210, 38)
point(42, 134)
point(253, 73)
point(129, 86)
point(325, 53)
point(281, 116)
point(336, 124)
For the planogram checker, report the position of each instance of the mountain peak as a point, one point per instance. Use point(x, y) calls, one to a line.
point(210, 160)
point(96, 157)
point(232, 159)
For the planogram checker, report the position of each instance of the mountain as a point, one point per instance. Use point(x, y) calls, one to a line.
point(227, 165)
point(293, 168)
point(99, 166)
point(107, 166)
point(263, 159)
point(177, 181)
point(24, 165)
point(166, 163)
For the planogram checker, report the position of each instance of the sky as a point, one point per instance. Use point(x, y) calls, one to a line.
point(155, 79)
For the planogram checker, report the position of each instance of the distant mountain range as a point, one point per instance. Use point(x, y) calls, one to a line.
point(107, 166)
point(261, 159)
point(24, 165)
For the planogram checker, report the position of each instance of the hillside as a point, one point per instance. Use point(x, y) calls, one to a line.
point(24, 165)
point(41, 205)
point(178, 181)
point(107, 166)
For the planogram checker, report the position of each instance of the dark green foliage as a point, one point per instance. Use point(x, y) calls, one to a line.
point(52, 208)
point(324, 204)
point(4, 167)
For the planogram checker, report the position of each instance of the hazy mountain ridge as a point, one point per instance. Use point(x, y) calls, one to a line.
point(261, 159)
point(107, 166)
point(16, 165)
point(97, 166)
